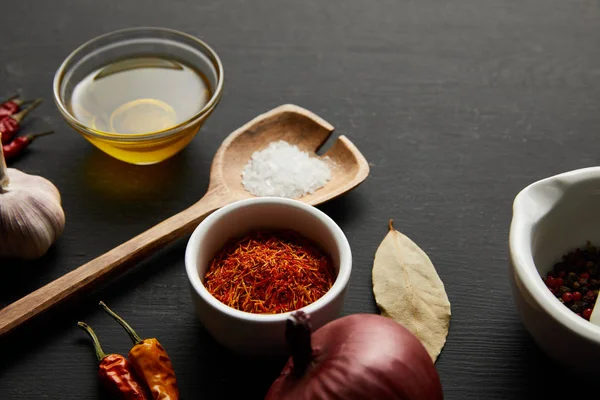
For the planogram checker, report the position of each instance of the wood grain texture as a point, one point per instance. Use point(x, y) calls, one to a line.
point(457, 105)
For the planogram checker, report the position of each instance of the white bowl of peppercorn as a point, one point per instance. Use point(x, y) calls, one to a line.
point(252, 263)
point(555, 265)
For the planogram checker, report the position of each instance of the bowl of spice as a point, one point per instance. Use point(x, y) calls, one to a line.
point(252, 263)
point(139, 94)
point(555, 263)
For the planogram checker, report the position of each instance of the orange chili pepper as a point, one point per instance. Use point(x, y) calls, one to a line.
point(115, 372)
point(151, 362)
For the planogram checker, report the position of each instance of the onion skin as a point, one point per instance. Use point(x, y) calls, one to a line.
point(359, 357)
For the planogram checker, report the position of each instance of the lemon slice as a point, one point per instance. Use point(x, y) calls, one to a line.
point(143, 116)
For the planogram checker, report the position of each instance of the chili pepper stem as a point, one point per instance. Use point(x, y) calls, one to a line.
point(99, 352)
point(22, 114)
point(25, 102)
point(11, 98)
point(33, 136)
point(4, 181)
point(132, 334)
point(298, 338)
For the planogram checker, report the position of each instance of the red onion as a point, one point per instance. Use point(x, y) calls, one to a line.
point(361, 356)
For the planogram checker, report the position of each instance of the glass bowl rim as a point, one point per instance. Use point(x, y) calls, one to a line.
point(206, 110)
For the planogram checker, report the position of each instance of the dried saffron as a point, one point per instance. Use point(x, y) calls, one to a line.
point(269, 272)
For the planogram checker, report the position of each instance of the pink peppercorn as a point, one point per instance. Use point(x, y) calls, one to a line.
point(584, 275)
point(559, 282)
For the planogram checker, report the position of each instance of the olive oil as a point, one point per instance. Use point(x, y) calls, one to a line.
point(139, 95)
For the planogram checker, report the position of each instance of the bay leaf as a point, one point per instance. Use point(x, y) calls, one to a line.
point(408, 290)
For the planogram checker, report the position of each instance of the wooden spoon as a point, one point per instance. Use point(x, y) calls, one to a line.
point(288, 122)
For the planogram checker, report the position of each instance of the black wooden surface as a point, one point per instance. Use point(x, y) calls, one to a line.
point(456, 104)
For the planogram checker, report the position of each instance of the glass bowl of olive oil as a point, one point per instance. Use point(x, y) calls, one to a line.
point(139, 94)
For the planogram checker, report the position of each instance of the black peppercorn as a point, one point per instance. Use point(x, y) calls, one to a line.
point(577, 307)
point(575, 280)
point(586, 304)
point(589, 296)
point(563, 289)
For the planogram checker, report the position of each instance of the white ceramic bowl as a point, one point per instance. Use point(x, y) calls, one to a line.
point(262, 334)
point(551, 217)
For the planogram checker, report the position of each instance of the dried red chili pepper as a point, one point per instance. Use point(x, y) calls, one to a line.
point(9, 125)
point(10, 106)
point(151, 362)
point(16, 147)
point(115, 372)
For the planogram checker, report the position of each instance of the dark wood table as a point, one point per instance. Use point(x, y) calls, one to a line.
point(457, 105)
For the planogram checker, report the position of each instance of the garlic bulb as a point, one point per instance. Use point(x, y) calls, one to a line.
point(31, 216)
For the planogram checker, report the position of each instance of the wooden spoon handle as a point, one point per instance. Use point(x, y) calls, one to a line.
point(106, 266)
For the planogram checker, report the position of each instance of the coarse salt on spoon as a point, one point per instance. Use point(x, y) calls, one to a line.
point(290, 123)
